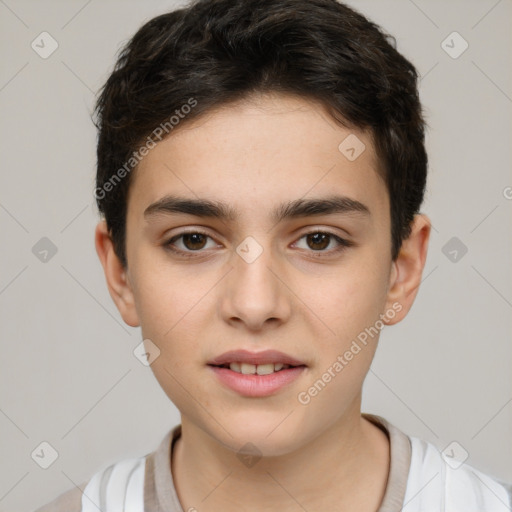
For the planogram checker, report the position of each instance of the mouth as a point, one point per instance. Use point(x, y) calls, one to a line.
point(257, 381)
point(256, 374)
point(256, 369)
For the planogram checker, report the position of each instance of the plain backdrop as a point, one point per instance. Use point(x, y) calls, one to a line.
point(68, 374)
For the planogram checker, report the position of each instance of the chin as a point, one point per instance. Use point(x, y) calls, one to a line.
point(265, 437)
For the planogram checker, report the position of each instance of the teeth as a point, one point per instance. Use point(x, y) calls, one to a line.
point(260, 369)
point(235, 367)
point(265, 369)
point(248, 369)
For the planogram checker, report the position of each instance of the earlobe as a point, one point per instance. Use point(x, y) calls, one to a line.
point(119, 286)
point(407, 269)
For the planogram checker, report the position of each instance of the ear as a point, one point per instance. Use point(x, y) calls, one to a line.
point(116, 275)
point(406, 270)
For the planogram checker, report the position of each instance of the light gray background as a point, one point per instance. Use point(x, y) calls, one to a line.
point(68, 374)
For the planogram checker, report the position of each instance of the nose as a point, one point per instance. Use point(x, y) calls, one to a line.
point(253, 293)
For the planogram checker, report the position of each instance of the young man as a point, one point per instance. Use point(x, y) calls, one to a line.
point(261, 166)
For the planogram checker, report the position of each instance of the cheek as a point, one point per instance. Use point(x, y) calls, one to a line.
point(172, 309)
point(164, 293)
point(171, 306)
point(348, 302)
point(350, 306)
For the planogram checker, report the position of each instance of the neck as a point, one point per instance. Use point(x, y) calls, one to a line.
point(344, 468)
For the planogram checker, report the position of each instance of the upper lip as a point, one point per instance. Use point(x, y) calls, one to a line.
point(264, 357)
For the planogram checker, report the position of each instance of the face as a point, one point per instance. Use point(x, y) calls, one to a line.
point(269, 275)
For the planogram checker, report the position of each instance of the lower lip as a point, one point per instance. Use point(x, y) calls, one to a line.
point(257, 385)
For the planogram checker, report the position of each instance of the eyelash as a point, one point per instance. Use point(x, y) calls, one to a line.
point(343, 244)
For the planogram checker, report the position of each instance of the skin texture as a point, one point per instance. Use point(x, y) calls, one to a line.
point(309, 303)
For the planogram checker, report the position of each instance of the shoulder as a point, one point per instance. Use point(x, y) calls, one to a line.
point(69, 501)
point(129, 483)
point(442, 481)
point(122, 482)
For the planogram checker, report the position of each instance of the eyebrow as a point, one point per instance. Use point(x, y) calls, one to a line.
point(298, 208)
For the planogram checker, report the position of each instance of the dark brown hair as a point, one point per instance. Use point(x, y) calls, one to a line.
point(216, 51)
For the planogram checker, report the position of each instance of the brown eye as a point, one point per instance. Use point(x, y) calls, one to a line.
point(323, 243)
point(318, 241)
point(194, 241)
point(189, 242)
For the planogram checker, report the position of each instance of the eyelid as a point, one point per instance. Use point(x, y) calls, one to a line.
point(328, 230)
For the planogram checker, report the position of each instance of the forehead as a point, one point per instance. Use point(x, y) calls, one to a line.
point(260, 152)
